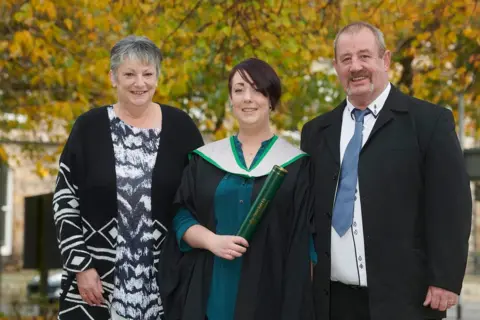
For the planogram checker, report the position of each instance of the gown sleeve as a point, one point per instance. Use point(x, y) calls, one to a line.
point(181, 222)
point(175, 266)
point(297, 264)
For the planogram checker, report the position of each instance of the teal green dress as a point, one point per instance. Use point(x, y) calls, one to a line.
point(231, 205)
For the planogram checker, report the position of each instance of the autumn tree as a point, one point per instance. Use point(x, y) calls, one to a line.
point(55, 54)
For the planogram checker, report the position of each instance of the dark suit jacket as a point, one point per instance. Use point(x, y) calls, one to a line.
point(416, 205)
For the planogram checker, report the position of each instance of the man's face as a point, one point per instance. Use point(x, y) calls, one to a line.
point(362, 72)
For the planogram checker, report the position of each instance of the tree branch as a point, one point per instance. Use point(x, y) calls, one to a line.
point(187, 16)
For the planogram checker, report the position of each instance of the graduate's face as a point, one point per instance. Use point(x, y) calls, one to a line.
point(250, 107)
point(361, 67)
point(135, 82)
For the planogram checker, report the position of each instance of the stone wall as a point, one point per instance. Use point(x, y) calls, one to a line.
point(25, 182)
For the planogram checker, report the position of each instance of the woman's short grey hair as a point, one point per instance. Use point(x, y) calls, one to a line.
point(135, 48)
point(356, 27)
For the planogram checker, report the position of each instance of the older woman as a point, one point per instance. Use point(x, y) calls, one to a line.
point(109, 227)
point(208, 272)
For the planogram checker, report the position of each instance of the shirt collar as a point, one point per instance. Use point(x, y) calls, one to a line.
point(238, 144)
point(376, 105)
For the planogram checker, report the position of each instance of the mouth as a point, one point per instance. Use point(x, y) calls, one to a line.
point(138, 93)
point(248, 110)
point(358, 79)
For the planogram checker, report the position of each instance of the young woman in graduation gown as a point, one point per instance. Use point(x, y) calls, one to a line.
point(209, 273)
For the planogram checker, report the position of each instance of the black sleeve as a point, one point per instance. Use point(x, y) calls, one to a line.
point(174, 270)
point(304, 138)
point(448, 206)
point(296, 282)
point(67, 207)
point(184, 198)
point(193, 137)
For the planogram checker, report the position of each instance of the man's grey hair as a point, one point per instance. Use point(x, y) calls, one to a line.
point(135, 48)
point(355, 27)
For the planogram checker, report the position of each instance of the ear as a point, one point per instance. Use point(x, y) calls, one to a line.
point(112, 79)
point(387, 59)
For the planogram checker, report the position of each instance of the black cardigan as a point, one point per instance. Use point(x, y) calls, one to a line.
point(85, 201)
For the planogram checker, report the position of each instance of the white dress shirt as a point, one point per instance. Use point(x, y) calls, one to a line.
point(348, 263)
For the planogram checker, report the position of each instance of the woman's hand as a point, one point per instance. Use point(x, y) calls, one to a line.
point(227, 247)
point(90, 287)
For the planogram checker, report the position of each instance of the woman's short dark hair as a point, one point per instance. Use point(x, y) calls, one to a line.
point(264, 78)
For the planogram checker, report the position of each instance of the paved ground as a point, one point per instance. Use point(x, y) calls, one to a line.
point(13, 286)
point(470, 300)
point(470, 311)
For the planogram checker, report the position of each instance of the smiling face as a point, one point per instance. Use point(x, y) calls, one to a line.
point(135, 82)
point(361, 67)
point(250, 107)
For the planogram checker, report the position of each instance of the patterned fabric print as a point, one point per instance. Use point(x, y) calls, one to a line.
point(136, 294)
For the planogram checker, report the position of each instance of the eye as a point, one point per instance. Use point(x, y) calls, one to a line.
point(129, 74)
point(346, 59)
point(238, 90)
point(365, 56)
point(148, 74)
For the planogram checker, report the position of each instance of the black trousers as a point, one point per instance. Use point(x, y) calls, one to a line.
point(348, 302)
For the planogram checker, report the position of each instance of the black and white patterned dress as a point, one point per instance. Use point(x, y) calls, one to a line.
point(136, 293)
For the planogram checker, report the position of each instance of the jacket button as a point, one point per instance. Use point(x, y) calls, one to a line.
point(326, 292)
point(328, 214)
point(335, 176)
point(327, 254)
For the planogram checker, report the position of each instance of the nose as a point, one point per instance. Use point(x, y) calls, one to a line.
point(247, 97)
point(139, 81)
point(356, 65)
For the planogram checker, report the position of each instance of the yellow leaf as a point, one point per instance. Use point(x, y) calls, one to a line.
point(51, 11)
point(24, 41)
point(452, 37)
point(41, 171)
point(145, 7)
point(468, 32)
point(68, 23)
point(3, 45)
point(3, 154)
point(89, 22)
point(92, 36)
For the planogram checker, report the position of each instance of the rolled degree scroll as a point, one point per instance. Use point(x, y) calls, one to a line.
point(269, 189)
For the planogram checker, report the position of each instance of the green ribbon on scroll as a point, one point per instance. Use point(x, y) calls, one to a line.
point(269, 189)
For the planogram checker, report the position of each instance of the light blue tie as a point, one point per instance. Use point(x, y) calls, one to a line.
point(345, 199)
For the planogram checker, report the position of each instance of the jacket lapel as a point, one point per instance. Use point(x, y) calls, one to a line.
point(392, 104)
point(332, 127)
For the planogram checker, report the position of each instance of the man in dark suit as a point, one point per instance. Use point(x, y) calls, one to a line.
point(392, 209)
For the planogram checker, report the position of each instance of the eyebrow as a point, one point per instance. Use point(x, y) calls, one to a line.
point(239, 84)
point(359, 52)
point(365, 51)
point(134, 71)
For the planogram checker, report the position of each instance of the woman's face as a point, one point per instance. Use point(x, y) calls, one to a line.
point(250, 107)
point(135, 82)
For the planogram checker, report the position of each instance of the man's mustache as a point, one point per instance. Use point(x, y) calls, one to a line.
point(359, 74)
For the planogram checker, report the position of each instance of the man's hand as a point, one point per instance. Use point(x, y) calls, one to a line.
point(90, 287)
point(440, 299)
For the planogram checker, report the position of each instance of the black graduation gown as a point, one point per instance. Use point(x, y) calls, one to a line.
point(275, 277)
